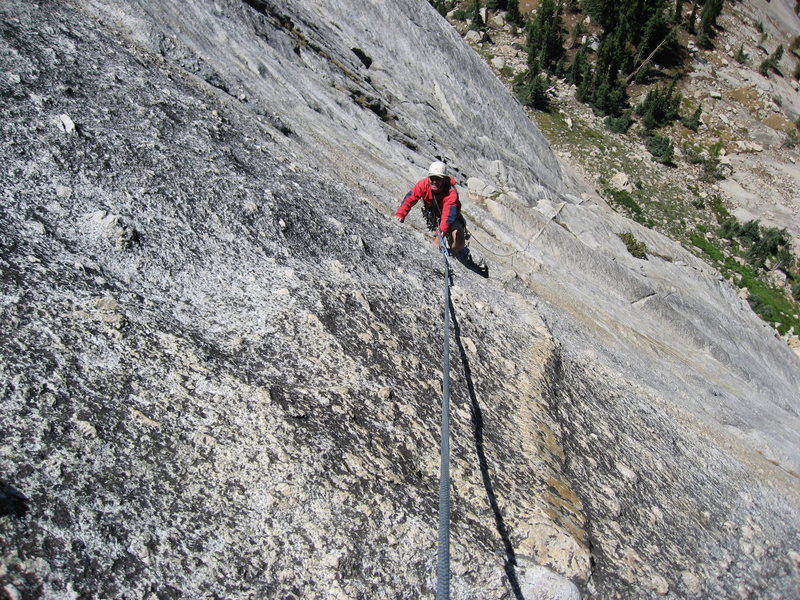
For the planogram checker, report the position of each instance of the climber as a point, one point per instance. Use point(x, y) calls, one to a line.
point(440, 203)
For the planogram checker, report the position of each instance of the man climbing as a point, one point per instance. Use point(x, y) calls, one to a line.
point(440, 203)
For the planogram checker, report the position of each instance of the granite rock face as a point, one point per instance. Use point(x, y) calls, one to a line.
point(220, 358)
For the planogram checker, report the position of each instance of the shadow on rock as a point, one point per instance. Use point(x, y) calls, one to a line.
point(510, 565)
point(477, 266)
point(12, 501)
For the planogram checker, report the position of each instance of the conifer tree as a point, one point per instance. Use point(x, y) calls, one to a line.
point(578, 69)
point(497, 4)
point(477, 20)
point(545, 38)
point(608, 94)
point(691, 19)
point(708, 21)
point(660, 107)
point(513, 15)
point(532, 88)
point(693, 121)
point(603, 12)
point(677, 16)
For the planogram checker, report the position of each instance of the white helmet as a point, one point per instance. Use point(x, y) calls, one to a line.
point(437, 169)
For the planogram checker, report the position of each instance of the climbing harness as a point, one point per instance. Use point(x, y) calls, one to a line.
point(431, 221)
point(443, 554)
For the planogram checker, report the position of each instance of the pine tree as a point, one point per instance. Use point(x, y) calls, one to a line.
point(603, 12)
point(659, 108)
point(545, 39)
point(514, 16)
point(532, 89)
point(608, 92)
point(691, 19)
point(497, 4)
point(578, 69)
point(708, 21)
point(677, 16)
point(575, 34)
point(583, 93)
point(693, 122)
point(477, 21)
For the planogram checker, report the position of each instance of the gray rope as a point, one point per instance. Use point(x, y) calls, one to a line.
point(443, 555)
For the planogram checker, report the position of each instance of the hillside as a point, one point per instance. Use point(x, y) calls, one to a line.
point(740, 166)
point(220, 355)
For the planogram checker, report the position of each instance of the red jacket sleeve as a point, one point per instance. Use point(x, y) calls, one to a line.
point(411, 198)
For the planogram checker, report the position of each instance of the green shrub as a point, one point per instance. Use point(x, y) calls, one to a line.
point(693, 155)
point(770, 303)
point(660, 107)
point(718, 208)
point(532, 89)
point(693, 121)
point(636, 247)
point(729, 229)
point(768, 245)
point(661, 148)
point(708, 247)
point(619, 124)
point(440, 7)
point(750, 231)
point(623, 199)
point(712, 169)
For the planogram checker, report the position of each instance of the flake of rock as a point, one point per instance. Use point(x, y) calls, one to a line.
point(66, 124)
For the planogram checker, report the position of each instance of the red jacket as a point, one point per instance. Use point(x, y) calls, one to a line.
point(447, 206)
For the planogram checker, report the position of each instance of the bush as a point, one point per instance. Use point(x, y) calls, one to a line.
point(712, 170)
point(693, 155)
point(720, 211)
point(637, 248)
point(729, 229)
point(623, 199)
point(750, 231)
point(693, 121)
point(659, 108)
point(708, 247)
point(619, 124)
point(766, 311)
point(767, 245)
point(796, 291)
point(532, 89)
point(439, 6)
point(661, 148)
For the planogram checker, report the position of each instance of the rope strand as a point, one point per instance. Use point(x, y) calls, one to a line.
point(443, 554)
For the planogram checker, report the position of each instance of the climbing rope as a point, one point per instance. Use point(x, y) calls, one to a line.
point(510, 254)
point(443, 554)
